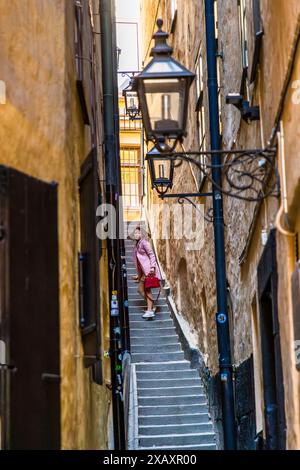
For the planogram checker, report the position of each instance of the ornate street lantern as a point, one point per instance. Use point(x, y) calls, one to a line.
point(131, 100)
point(163, 88)
point(161, 169)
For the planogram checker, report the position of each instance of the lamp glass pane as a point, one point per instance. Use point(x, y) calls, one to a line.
point(132, 102)
point(162, 170)
point(165, 101)
point(164, 66)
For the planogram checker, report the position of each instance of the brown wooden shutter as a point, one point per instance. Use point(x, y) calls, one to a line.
point(89, 261)
point(29, 306)
point(84, 58)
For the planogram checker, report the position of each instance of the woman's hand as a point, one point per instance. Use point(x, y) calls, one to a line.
point(135, 278)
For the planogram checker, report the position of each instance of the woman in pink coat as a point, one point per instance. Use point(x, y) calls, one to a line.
point(145, 263)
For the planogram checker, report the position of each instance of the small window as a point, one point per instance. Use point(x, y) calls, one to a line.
point(199, 101)
point(200, 107)
point(173, 14)
point(219, 64)
point(244, 88)
point(243, 32)
point(131, 181)
point(78, 40)
point(258, 34)
point(78, 48)
point(199, 74)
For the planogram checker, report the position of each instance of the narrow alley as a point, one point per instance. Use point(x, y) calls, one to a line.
point(149, 231)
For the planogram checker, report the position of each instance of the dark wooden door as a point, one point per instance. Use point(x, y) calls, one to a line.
point(29, 305)
point(274, 413)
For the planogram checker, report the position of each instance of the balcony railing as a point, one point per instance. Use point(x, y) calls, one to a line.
point(127, 124)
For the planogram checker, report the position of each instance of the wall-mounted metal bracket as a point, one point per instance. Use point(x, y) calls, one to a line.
point(248, 113)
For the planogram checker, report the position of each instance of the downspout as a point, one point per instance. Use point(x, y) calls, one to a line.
point(225, 362)
point(120, 223)
point(109, 71)
point(122, 286)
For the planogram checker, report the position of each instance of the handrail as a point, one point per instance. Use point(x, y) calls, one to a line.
point(126, 374)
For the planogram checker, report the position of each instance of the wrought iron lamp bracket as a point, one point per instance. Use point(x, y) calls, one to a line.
point(246, 173)
point(133, 114)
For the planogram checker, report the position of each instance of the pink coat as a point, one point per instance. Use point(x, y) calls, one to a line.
point(144, 254)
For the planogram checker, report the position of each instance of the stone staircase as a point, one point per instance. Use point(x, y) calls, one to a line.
point(171, 403)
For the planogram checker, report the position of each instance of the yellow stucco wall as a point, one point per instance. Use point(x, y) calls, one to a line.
point(286, 254)
point(42, 134)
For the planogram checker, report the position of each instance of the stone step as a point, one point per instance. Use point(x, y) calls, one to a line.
point(147, 333)
point(163, 366)
point(157, 357)
point(173, 439)
point(154, 340)
point(172, 405)
point(129, 264)
point(136, 309)
point(168, 383)
point(156, 348)
point(158, 410)
point(160, 315)
point(174, 419)
point(135, 297)
point(141, 302)
point(138, 316)
point(172, 400)
point(156, 323)
point(188, 374)
point(132, 288)
point(173, 391)
point(136, 303)
point(178, 429)
point(182, 448)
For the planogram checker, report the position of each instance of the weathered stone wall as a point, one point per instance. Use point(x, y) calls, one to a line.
point(42, 134)
point(280, 23)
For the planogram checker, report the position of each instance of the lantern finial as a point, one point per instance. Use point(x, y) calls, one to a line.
point(161, 47)
point(159, 23)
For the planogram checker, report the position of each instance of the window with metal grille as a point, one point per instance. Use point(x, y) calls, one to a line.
point(243, 32)
point(127, 124)
point(130, 164)
point(219, 64)
point(200, 108)
point(258, 34)
point(173, 6)
point(244, 89)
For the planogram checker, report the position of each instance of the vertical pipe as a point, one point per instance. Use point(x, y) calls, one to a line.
point(225, 365)
point(106, 9)
point(123, 293)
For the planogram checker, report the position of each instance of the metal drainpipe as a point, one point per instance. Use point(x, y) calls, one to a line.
point(225, 364)
point(121, 245)
point(112, 164)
